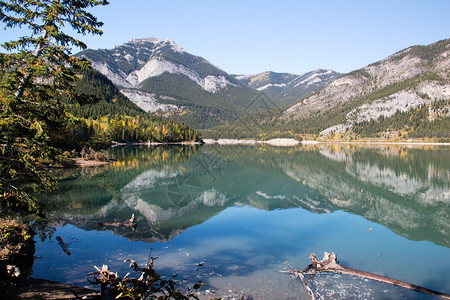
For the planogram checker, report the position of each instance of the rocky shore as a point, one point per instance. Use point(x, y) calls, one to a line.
point(51, 290)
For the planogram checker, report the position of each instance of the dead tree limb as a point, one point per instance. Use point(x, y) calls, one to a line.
point(329, 264)
point(131, 223)
point(306, 285)
point(63, 245)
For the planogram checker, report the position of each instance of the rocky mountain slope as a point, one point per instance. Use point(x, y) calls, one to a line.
point(159, 76)
point(408, 79)
point(286, 87)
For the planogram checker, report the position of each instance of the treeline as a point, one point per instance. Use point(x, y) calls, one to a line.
point(427, 121)
point(106, 115)
point(102, 98)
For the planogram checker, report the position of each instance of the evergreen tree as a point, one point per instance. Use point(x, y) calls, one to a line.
point(36, 71)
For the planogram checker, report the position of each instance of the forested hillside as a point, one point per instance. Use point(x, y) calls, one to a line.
point(108, 116)
point(162, 78)
point(427, 121)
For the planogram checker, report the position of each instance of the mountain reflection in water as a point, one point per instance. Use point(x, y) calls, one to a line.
point(172, 188)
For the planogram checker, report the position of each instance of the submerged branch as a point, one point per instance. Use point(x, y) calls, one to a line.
point(63, 245)
point(131, 223)
point(329, 264)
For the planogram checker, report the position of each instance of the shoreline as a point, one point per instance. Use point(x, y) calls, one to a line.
point(389, 143)
point(84, 163)
point(36, 288)
point(293, 142)
point(284, 142)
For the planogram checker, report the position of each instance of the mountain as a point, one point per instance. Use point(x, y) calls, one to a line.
point(286, 87)
point(406, 94)
point(407, 80)
point(159, 76)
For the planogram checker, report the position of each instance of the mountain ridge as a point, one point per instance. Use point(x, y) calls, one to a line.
point(138, 67)
point(162, 78)
point(286, 87)
point(406, 80)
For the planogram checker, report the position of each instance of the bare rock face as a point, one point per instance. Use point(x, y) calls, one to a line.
point(408, 79)
point(132, 63)
point(338, 92)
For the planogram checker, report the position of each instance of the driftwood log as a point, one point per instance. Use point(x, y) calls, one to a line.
point(63, 245)
point(329, 264)
point(131, 223)
point(104, 277)
point(111, 282)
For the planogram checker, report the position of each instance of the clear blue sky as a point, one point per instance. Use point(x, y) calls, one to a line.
point(249, 36)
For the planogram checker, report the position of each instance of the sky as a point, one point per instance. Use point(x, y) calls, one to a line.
point(294, 36)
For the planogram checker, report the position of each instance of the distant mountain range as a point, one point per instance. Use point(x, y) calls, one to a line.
point(406, 80)
point(289, 88)
point(161, 77)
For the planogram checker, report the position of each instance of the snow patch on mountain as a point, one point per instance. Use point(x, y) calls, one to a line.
point(244, 77)
point(314, 78)
point(148, 101)
point(147, 55)
point(271, 85)
point(158, 44)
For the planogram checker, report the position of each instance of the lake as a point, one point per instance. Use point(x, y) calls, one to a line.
point(235, 216)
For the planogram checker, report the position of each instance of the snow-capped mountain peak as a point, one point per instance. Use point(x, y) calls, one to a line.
point(132, 63)
point(150, 69)
point(158, 44)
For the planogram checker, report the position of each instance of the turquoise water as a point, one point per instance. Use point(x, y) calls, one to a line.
point(235, 216)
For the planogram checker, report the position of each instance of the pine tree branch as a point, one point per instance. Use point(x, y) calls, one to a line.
point(25, 80)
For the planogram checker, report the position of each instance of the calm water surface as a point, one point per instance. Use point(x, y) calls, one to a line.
point(235, 216)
